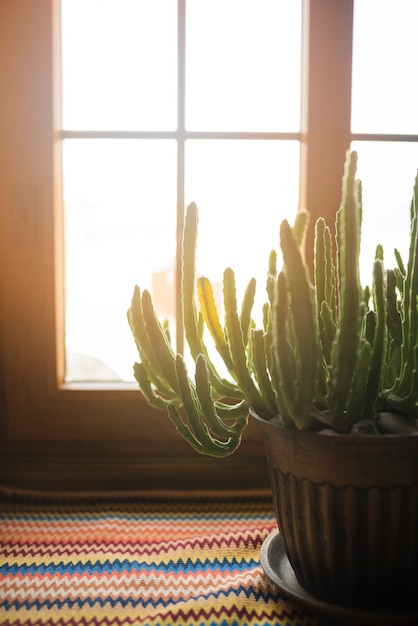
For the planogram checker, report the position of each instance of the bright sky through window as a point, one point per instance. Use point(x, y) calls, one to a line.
point(242, 74)
point(119, 64)
point(385, 100)
point(120, 74)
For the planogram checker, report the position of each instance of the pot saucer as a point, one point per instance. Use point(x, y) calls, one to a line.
point(277, 567)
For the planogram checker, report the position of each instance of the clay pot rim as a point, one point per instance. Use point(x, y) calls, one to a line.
point(358, 460)
point(334, 435)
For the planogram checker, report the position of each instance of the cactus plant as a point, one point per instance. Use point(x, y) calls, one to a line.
point(325, 356)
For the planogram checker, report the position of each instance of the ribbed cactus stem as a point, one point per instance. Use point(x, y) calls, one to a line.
point(144, 339)
point(210, 315)
point(204, 429)
point(192, 319)
point(236, 342)
point(160, 344)
point(410, 305)
point(188, 281)
point(271, 275)
point(374, 377)
point(324, 288)
point(404, 394)
point(283, 362)
point(246, 310)
point(305, 327)
point(300, 228)
point(355, 407)
point(317, 361)
point(261, 369)
point(347, 338)
point(394, 320)
point(320, 262)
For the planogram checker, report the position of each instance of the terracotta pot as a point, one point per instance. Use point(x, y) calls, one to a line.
point(347, 512)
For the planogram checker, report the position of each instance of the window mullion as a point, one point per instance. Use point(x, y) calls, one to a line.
point(181, 134)
point(326, 105)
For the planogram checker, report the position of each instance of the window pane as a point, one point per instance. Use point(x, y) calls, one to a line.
point(385, 52)
point(243, 60)
point(119, 64)
point(243, 190)
point(387, 172)
point(119, 231)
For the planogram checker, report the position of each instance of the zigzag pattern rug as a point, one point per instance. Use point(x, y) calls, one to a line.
point(158, 560)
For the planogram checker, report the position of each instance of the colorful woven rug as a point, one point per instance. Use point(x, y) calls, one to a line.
point(158, 560)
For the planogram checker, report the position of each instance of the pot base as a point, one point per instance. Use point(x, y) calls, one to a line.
point(277, 567)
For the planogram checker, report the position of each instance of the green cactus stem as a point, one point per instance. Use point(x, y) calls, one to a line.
point(403, 395)
point(324, 357)
point(347, 336)
point(379, 341)
point(305, 347)
point(201, 414)
point(283, 363)
point(210, 315)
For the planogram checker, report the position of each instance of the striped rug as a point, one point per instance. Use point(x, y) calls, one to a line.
point(159, 560)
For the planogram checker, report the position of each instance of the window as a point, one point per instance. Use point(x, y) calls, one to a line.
point(385, 100)
point(156, 116)
point(60, 434)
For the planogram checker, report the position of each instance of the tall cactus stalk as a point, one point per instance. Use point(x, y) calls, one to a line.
point(403, 395)
point(344, 351)
point(296, 294)
point(322, 354)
